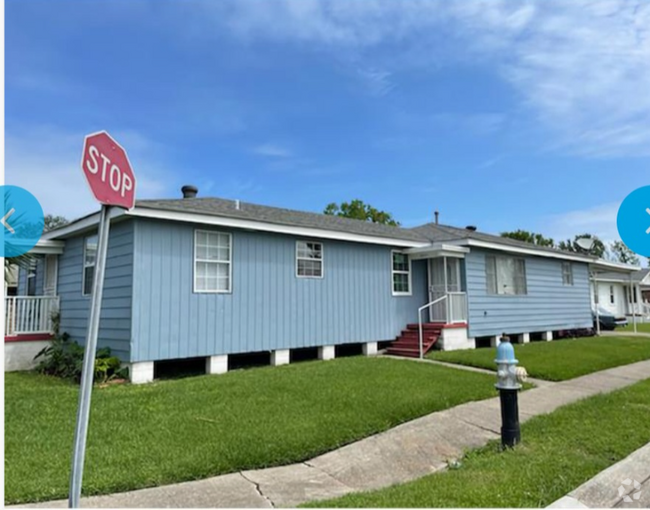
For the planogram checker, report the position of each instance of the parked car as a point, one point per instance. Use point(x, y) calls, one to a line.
point(607, 319)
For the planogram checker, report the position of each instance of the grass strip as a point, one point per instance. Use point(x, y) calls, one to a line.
point(559, 452)
point(560, 359)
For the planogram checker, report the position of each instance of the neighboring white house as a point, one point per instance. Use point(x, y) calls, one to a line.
point(620, 293)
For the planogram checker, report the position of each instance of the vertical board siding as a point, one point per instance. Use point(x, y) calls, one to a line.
point(549, 304)
point(115, 322)
point(269, 307)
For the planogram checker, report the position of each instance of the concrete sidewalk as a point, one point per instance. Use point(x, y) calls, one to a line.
point(626, 484)
point(404, 453)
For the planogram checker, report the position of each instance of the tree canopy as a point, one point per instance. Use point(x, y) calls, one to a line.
point(529, 237)
point(621, 253)
point(599, 249)
point(51, 222)
point(359, 210)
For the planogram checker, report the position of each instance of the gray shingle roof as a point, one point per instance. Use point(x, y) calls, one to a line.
point(442, 233)
point(279, 216)
point(428, 233)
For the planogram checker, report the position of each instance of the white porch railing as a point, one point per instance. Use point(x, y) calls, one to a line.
point(450, 308)
point(424, 307)
point(29, 314)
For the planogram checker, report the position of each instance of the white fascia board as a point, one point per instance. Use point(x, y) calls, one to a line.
point(437, 250)
point(608, 266)
point(48, 247)
point(222, 221)
point(205, 219)
point(86, 223)
point(520, 250)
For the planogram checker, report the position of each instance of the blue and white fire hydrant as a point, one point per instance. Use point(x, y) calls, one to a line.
point(509, 376)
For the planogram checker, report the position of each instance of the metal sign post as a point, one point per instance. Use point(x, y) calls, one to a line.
point(110, 177)
point(88, 373)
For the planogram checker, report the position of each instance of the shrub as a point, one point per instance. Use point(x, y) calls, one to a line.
point(64, 358)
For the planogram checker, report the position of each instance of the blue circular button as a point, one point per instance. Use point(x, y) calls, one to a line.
point(22, 221)
point(633, 221)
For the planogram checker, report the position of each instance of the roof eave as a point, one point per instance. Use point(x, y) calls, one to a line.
point(90, 221)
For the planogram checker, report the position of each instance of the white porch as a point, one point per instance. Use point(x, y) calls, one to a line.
point(445, 283)
point(29, 316)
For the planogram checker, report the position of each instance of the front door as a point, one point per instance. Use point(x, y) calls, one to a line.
point(440, 284)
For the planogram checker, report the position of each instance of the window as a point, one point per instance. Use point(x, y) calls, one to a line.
point(505, 275)
point(401, 270)
point(309, 259)
point(611, 294)
point(212, 261)
point(567, 273)
point(90, 257)
point(31, 278)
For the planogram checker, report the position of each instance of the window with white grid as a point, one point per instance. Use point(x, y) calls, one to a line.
point(309, 259)
point(401, 271)
point(212, 261)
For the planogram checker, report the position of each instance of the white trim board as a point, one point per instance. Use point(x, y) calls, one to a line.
point(597, 263)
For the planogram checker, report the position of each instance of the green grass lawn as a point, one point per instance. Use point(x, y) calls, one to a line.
point(641, 327)
point(184, 429)
point(560, 359)
point(559, 452)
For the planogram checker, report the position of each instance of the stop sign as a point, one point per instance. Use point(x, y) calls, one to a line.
point(108, 171)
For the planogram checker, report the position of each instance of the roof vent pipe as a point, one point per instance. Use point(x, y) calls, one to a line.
point(471, 228)
point(189, 191)
point(436, 214)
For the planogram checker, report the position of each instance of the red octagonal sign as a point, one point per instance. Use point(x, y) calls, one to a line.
point(108, 171)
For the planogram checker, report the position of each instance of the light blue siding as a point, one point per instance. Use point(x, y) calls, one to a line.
point(40, 278)
point(549, 304)
point(115, 323)
point(269, 308)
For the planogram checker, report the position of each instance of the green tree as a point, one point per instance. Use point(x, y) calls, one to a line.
point(621, 253)
point(529, 237)
point(51, 222)
point(358, 210)
point(598, 249)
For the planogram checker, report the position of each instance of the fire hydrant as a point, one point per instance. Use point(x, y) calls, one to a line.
point(509, 376)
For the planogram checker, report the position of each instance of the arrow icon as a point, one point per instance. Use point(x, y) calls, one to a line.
point(12, 210)
point(648, 229)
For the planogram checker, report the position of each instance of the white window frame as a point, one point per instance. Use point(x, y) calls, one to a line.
point(84, 291)
point(496, 277)
point(322, 260)
point(196, 260)
point(393, 272)
point(30, 278)
point(612, 295)
point(567, 273)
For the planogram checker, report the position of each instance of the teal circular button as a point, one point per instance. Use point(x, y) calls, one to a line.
point(633, 221)
point(22, 221)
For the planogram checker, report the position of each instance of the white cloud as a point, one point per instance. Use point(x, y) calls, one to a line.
point(581, 67)
point(272, 150)
point(599, 220)
point(378, 82)
point(46, 161)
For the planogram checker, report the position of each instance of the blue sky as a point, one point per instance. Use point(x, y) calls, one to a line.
point(506, 115)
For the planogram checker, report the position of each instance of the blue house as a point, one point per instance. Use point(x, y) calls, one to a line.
point(213, 278)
